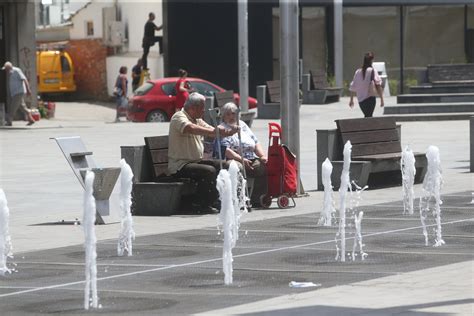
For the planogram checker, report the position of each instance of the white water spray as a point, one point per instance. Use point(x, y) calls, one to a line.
point(345, 186)
point(431, 199)
point(357, 216)
point(127, 233)
point(90, 292)
point(329, 211)
point(227, 219)
point(231, 186)
point(5, 239)
point(239, 197)
point(408, 169)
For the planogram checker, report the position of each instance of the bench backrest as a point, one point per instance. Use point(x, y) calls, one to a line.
point(273, 89)
point(450, 72)
point(370, 136)
point(224, 97)
point(318, 80)
point(158, 148)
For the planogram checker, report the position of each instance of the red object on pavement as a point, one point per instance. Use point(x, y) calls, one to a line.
point(281, 170)
point(35, 114)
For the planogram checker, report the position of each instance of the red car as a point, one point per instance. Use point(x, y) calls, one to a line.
point(155, 100)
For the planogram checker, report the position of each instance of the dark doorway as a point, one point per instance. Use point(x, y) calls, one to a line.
point(202, 37)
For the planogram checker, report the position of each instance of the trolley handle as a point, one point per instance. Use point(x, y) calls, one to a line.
point(274, 128)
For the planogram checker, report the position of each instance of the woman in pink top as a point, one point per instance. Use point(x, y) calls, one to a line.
point(360, 86)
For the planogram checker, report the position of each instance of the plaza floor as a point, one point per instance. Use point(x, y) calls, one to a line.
point(176, 267)
point(181, 273)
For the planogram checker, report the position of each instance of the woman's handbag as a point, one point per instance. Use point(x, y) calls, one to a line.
point(117, 91)
point(372, 88)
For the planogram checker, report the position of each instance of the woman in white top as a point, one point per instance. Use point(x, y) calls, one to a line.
point(361, 83)
point(253, 157)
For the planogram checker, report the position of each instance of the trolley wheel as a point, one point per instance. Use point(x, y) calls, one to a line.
point(265, 200)
point(283, 201)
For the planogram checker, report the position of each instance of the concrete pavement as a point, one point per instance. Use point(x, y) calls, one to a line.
point(42, 192)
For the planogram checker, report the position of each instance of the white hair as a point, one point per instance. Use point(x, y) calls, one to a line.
point(229, 107)
point(194, 99)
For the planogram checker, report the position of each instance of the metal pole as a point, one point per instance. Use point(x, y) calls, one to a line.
point(402, 40)
point(293, 85)
point(243, 55)
point(338, 43)
point(284, 69)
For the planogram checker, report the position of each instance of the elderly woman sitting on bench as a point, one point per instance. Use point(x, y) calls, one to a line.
point(247, 150)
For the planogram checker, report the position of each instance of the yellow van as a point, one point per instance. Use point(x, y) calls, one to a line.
point(55, 72)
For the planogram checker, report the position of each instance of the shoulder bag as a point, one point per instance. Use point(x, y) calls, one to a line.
point(372, 88)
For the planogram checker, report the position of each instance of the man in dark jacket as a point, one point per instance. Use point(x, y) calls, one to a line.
point(149, 38)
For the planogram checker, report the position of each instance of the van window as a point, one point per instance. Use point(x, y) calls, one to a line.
point(65, 67)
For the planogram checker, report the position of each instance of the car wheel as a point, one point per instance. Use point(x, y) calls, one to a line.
point(157, 116)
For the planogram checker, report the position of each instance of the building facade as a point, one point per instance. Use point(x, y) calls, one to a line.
point(406, 35)
point(101, 36)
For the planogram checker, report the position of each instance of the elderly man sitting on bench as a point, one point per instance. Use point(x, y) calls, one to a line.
point(185, 153)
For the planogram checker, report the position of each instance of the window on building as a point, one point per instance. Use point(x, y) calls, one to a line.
point(90, 28)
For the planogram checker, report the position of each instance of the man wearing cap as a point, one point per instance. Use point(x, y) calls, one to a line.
point(19, 86)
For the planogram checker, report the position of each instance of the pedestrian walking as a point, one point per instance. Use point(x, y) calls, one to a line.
point(120, 91)
point(136, 74)
point(366, 85)
point(18, 87)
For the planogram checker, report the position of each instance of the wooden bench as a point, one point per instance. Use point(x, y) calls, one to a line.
point(316, 89)
point(471, 143)
point(222, 98)
point(376, 152)
point(154, 192)
point(271, 109)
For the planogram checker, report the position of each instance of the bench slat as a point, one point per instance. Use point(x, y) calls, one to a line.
point(375, 148)
point(157, 142)
point(273, 88)
point(160, 169)
point(159, 155)
point(387, 135)
point(366, 124)
point(224, 97)
point(81, 154)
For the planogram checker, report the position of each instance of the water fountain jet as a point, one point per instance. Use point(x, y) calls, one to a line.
point(127, 234)
point(431, 201)
point(329, 211)
point(5, 239)
point(90, 293)
point(408, 170)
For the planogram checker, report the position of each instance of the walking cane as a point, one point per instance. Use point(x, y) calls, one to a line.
point(213, 113)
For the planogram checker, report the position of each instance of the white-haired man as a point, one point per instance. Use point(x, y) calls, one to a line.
point(185, 152)
point(18, 86)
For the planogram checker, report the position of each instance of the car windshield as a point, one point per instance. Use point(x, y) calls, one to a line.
point(204, 88)
point(143, 89)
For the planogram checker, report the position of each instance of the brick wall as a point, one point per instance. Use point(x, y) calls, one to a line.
point(89, 59)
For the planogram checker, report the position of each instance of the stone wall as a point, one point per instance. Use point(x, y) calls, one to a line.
point(89, 59)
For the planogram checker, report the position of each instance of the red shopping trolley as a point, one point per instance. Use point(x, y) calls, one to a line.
point(281, 171)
